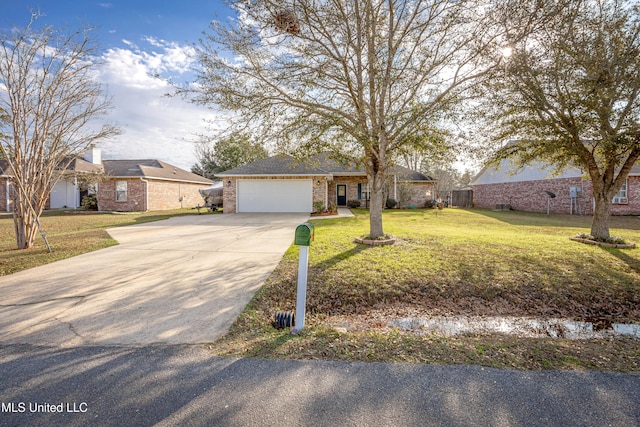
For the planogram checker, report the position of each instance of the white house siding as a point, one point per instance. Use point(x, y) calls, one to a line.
point(65, 195)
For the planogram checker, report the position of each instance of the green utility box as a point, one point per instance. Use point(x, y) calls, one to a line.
point(304, 234)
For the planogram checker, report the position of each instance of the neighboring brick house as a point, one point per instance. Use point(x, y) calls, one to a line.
point(144, 185)
point(126, 185)
point(526, 189)
point(284, 184)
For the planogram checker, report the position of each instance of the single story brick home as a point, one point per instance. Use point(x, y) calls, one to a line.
point(123, 185)
point(284, 184)
point(526, 189)
point(64, 194)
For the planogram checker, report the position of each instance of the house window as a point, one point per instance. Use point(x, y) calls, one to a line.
point(121, 191)
point(363, 191)
point(621, 197)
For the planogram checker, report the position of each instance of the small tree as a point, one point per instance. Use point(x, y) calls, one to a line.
point(226, 153)
point(48, 98)
point(366, 76)
point(570, 91)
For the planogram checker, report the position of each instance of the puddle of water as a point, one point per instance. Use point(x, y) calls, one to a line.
point(524, 327)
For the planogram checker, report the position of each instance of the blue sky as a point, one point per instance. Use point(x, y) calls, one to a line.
point(139, 40)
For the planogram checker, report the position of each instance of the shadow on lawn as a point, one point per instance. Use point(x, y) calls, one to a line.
point(342, 256)
point(535, 218)
point(555, 220)
point(633, 263)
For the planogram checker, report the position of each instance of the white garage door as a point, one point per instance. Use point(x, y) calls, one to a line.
point(275, 195)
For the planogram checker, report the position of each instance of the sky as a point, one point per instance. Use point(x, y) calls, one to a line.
point(142, 44)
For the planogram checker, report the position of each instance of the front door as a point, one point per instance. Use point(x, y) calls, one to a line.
point(342, 195)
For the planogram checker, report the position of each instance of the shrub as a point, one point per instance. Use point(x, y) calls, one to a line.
point(391, 203)
point(89, 202)
point(318, 206)
point(429, 204)
point(613, 239)
point(353, 204)
point(333, 208)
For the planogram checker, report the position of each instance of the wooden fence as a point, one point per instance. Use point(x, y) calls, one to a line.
point(462, 198)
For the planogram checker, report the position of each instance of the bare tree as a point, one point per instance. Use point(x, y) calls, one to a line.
point(49, 100)
point(370, 76)
point(570, 91)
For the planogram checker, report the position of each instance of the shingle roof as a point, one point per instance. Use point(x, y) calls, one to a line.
point(81, 165)
point(336, 166)
point(319, 164)
point(150, 168)
point(406, 174)
point(277, 165)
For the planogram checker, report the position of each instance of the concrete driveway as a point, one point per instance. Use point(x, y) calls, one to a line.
point(178, 281)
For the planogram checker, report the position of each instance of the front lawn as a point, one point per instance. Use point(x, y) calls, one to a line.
point(70, 233)
point(451, 263)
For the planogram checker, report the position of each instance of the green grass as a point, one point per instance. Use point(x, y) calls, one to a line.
point(451, 262)
point(69, 233)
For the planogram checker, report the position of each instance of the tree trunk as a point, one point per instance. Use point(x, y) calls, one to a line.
point(26, 228)
point(601, 214)
point(376, 185)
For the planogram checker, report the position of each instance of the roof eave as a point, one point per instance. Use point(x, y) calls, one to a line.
point(159, 179)
point(233, 175)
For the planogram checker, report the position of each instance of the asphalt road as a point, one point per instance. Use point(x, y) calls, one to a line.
point(186, 386)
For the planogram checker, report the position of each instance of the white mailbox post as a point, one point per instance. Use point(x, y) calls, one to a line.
point(303, 238)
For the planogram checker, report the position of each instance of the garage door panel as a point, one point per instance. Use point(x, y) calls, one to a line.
point(275, 196)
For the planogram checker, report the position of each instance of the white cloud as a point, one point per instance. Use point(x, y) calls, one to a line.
point(154, 125)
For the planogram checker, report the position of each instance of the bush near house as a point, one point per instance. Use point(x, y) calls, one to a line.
point(89, 203)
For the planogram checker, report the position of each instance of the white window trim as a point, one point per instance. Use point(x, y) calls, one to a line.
point(622, 197)
point(364, 191)
point(125, 191)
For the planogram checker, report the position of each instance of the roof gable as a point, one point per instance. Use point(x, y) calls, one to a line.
point(150, 168)
point(276, 165)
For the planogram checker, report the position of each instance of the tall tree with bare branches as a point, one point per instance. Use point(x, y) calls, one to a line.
point(570, 91)
point(367, 77)
point(50, 101)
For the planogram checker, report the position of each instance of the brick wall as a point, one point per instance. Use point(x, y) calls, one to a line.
point(135, 196)
point(530, 196)
point(414, 193)
point(352, 187)
point(229, 187)
point(163, 195)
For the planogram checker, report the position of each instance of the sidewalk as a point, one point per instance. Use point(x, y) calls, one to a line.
point(342, 213)
point(185, 385)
